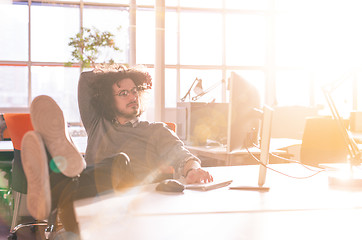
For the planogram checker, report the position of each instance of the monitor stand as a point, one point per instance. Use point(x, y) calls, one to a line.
point(251, 188)
point(264, 152)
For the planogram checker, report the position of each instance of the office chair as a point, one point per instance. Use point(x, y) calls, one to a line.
point(5, 192)
point(5, 170)
point(171, 126)
point(18, 124)
point(322, 142)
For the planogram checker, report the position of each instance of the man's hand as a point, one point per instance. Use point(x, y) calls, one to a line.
point(198, 175)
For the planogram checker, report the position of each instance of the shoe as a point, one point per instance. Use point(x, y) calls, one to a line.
point(48, 120)
point(35, 164)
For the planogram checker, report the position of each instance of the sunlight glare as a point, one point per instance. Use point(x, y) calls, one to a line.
point(328, 34)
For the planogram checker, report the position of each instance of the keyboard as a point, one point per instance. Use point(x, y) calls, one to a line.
point(208, 186)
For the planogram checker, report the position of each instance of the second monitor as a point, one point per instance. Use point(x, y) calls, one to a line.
point(244, 114)
point(247, 124)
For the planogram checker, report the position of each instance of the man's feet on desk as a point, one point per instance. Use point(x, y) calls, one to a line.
point(48, 120)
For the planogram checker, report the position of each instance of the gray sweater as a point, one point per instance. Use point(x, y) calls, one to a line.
point(148, 145)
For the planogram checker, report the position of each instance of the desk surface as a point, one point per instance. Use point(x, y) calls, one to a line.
point(278, 146)
point(6, 146)
point(292, 209)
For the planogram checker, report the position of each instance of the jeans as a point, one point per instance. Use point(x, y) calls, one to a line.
point(106, 176)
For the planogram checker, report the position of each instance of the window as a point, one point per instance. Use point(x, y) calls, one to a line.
point(145, 34)
point(114, 20)
point(14, 86)
point(292, 88)
point(245, 40)
point(200, 38)
point(60, 83)
point(39, 69)
point(14, 44)
point(49, 39)
point(289, 49)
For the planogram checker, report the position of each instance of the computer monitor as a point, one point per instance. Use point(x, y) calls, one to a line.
point(245, 119)
point(244, 114)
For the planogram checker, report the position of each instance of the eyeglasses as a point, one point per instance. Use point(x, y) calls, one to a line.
point(126, 93)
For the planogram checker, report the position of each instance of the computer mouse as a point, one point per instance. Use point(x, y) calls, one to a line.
point(170, 185)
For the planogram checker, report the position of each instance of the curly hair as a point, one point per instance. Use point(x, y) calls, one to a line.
point(102, 98)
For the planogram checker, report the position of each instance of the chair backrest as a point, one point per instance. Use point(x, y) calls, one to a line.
point(18, 124)
point(171, 126)
point(322, 142)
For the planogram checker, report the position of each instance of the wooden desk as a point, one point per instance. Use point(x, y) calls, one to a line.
point(292, 209)
point(278, 146)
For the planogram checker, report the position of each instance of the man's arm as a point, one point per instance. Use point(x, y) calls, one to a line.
point(172, 149)
point(87, 112)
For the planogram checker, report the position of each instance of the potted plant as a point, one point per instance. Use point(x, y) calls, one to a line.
point(87, 46)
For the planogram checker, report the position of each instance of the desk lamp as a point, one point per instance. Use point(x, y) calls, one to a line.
point(199, 85)
point(200, 92)
point(351, 180)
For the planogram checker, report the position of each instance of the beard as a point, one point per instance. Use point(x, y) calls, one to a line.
point(133, 112)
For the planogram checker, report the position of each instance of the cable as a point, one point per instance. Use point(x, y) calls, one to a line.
point(294, 161)
point(305, 177)
point(289, 160)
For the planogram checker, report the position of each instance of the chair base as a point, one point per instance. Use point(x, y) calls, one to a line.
point(13, 236)
point(49, 230)
point(51, 226)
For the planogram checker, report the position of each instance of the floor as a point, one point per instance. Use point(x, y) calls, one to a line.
point(22, 234)
point(4, 230)
point(25, 233)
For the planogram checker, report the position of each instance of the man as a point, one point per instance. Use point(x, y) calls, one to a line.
point(111, 101)
point(122, 151)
